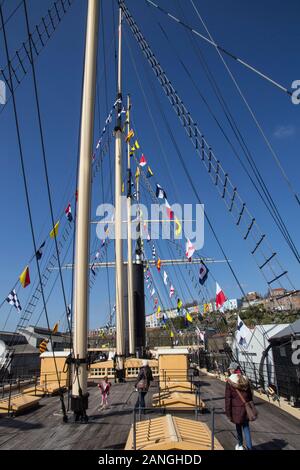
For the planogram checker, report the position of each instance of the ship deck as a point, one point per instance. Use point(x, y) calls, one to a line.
point(43, 428)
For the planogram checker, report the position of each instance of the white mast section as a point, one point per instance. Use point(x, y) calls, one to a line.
point(79, 388)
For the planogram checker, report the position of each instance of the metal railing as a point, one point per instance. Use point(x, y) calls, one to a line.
point(275, 380)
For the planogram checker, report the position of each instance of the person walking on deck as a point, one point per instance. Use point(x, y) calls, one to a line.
point(142, 385)
point(104, 387)
point(237, 394)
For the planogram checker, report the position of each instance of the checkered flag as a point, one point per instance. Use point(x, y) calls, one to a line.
point(12, 299)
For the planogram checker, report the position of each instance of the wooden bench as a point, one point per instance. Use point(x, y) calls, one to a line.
point(18, 403)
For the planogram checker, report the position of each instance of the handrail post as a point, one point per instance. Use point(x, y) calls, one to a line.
point(213, 428)
point(140, 408)
point(134, 430)
point(9, 399)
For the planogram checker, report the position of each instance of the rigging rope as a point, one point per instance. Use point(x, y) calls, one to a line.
point(21, 61)
point(258, 125)
point(268, 202)
point(219, 48)
point(228, 192)
point(28, 202)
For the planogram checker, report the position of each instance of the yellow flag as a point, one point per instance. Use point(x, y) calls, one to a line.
point(158, 309)
point(137, 173)
point(123, 187)
point(189, 317)
point(136, 145)
point(178, 227)
point(55, 328)
point(206, 308)
point(172, 334)
point(25, 278)
point(129, 135)
point(54, 232)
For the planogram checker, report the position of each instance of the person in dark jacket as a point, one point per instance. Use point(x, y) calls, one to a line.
point(142, 385)
point(234, 406)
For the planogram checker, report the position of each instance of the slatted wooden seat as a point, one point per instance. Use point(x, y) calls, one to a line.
point(18, 403)
point(172, 433)
point(176, 400)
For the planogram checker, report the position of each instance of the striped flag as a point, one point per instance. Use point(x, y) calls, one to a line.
point(43, 346)
point(153, 253)
point(129, 136)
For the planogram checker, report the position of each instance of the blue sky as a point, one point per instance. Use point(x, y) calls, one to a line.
point(263, 33)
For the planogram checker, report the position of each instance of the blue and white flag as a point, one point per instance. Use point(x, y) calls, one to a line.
point(243, 333)
point(203, 273)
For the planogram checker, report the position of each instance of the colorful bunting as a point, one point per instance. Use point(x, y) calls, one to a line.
point(25, 278)
point(55, 328)
point(68, 213)
point(165, 278)
point(149, 173)
point(160, 192)
point(39, 252)
point(158, 264)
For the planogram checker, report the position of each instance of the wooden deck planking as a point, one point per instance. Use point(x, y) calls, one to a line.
point(108, 429)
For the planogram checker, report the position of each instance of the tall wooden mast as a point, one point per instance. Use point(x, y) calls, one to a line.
point(79, 401)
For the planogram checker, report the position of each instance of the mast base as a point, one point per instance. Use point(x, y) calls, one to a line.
point(79, 405)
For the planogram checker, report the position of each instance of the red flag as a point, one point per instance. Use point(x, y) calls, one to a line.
point(189, 249)
point(220, 296)
point(143, 160)
point(170, 213)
